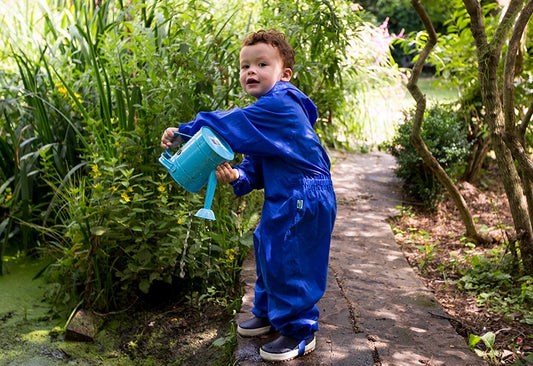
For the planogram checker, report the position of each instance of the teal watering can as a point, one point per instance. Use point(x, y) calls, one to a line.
point(195, 164)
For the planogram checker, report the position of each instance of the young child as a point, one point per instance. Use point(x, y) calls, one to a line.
point(283, 156)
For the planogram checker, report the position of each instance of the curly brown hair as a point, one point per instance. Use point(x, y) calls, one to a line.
point(275, 39)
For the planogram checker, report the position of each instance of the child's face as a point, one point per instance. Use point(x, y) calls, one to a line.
point(261, 68)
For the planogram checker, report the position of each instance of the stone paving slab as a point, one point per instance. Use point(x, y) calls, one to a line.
point(375, 310)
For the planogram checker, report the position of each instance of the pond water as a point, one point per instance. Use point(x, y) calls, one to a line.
point(29, 335)
point(25, 323)
point(21, 295)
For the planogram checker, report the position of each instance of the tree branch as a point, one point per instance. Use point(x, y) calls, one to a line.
point(506, 23)
point(510, 63)
point(525, 121)
point(416, 138)
point(473, 7)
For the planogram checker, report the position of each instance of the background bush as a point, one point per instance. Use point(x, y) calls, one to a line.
point(446, 136)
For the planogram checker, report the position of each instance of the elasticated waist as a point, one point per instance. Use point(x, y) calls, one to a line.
point(319, 180)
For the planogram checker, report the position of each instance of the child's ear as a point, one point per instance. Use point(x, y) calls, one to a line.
point(286, 75)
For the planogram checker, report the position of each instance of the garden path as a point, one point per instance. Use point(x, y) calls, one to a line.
point(375, 310)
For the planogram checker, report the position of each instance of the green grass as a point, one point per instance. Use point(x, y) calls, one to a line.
point(435, 92)
point(382, 109)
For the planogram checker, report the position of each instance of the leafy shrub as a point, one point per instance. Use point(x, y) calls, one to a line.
point(445, 135)
point(120, 229)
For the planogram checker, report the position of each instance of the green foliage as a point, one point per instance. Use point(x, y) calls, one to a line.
point(489, 340)
point(402, 19)
point(400, 12)
point(429, 251)
point(459, 70)
point(127, 229)
point(403, 16)
point(446, 138)
point(88, 89)
point(453, 68)
point(94, 102)
point(499, 287)
point(342, 62)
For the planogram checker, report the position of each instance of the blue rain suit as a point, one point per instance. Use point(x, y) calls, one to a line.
point(292, 241)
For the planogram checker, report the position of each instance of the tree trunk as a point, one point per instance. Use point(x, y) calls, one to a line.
point(416, 138)
point(488, 60)
point(480, 150)
point(515, 137)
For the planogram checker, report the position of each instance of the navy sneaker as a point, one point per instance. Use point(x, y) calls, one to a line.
point(255, 327)
point(286, 348)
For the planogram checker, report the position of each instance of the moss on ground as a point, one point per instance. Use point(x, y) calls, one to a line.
point(170, 334)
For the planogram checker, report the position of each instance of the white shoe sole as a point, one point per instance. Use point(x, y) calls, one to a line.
point(267, 356)
point(253, 332)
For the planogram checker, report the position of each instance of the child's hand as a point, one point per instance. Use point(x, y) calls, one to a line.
point(168, 140)
point(226, 174)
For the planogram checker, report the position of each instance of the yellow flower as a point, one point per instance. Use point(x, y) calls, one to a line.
point(63, 90)
point(130, 189)
point(179, 221)
point(95, 172)
point(161, 189)
point(96, 186)
point(113, 188)
point(125, 196)
point(230, 255)
point(78, 98)
point(9, 196)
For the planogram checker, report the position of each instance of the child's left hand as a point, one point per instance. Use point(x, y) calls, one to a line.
point(169, 140)
point(226, 174)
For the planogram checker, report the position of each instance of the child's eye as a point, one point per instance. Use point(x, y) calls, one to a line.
point(244, 66)
point(262, 64)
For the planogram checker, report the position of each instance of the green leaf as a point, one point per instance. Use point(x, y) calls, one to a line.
point(473, 340)
point(489, 339)
point(529, 358)
point(98, 230)
point(222, 341)
point(144, 286)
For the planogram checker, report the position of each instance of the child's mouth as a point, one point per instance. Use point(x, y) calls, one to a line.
point(252, 82)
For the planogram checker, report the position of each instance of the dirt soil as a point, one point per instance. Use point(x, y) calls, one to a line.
point(178, 334)
point(488, 203)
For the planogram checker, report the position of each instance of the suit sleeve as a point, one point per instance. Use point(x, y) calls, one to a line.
point(250, 176)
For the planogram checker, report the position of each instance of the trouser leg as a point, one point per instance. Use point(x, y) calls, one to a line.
point(293, 263)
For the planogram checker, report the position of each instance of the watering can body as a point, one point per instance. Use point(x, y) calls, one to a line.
point(195, 164)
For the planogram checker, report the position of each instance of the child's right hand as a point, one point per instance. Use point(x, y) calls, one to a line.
point(168, 140)
point(226, 174)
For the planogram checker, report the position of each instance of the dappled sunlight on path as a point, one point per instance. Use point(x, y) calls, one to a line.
point(375, 310)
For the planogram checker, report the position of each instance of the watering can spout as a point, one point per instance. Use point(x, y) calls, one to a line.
point(206, 212)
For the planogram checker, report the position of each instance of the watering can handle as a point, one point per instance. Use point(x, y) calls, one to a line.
point(182, 134)
point(177, 134)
